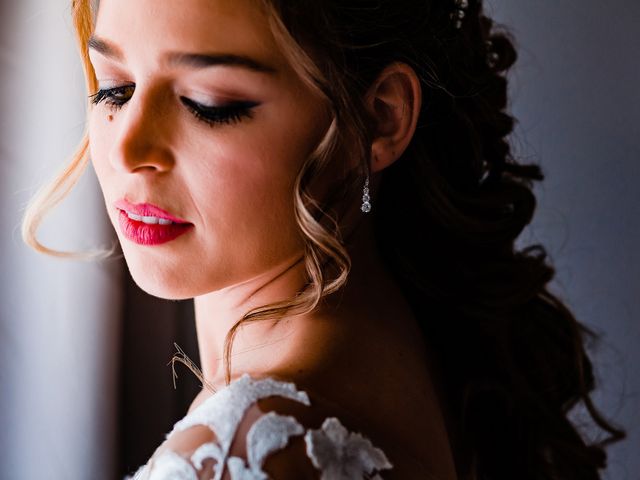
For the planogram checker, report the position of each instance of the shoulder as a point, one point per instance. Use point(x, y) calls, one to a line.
point(263, 428)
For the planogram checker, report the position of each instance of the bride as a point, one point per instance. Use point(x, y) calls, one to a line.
point(330, 181)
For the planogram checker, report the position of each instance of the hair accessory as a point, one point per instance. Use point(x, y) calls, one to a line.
point(458, 14)
point(366, 205)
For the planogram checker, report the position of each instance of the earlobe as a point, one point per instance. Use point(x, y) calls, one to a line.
point(394, 102)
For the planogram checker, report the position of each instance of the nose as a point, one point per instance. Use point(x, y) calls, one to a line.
point(142, 142)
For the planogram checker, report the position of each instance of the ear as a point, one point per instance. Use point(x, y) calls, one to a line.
point(394, 101)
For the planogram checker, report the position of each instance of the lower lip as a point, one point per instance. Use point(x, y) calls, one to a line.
point(145, 234)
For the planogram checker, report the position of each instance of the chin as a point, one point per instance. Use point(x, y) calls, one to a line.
point(161, 289)
point(159, 281)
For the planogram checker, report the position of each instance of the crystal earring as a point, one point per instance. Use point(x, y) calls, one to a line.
point(366, 205)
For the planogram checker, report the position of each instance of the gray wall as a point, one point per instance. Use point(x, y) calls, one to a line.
point(575, 91)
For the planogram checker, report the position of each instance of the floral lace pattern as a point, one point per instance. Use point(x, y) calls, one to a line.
point(335, 452)
point(341, 455)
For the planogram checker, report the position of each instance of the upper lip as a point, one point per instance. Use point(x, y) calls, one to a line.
point(147, 210)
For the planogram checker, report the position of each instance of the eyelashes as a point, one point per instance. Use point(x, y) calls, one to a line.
point(110, 96)
point(220, 115)
point(115, 99)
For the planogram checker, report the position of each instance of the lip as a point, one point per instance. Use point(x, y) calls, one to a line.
point(145, 234)
point(147, 210)
point(148, 234)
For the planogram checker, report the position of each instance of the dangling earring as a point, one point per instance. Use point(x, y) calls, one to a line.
point(366, 205)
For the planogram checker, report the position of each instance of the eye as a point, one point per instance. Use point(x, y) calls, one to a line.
point(115, 98)
point(111, 96)
point(231, 113)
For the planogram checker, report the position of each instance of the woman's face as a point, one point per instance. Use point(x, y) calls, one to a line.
point(231, 179)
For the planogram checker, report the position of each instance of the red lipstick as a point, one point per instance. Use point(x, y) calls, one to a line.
point(146, 224)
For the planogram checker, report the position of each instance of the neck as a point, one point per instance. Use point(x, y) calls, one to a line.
point(297, 342)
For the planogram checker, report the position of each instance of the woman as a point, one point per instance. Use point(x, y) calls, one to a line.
point(331, 182)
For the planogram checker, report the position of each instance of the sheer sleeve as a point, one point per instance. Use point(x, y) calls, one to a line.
point(229, 437)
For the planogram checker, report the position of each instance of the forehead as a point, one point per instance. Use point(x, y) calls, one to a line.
point(148, 27)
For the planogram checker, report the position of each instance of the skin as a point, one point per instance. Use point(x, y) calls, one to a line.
point(234, 183)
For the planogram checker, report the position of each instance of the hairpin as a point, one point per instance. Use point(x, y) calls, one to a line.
point(458, 14)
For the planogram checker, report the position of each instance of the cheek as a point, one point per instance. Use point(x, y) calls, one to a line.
point(251, 168)
point(242, 185)
point(244, 195)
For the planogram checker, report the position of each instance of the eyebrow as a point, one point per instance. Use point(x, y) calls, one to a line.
point(192, 60)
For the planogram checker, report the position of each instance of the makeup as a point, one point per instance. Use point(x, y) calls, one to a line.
point(150, 234)
point(146, 224)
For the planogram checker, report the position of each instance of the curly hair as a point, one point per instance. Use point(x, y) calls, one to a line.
point(510, 356)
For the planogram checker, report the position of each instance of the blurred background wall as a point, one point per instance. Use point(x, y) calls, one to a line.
point(59, 320)
point(85, 389)
point(575, 93)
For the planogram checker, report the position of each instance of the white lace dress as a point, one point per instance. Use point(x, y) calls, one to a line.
point(336, 453)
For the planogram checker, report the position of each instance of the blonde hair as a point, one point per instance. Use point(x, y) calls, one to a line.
point(48, 196)
point(323, 246)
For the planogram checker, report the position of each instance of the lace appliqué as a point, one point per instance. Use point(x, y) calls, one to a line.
point(338, 454)
point(341, 455)
point(172, 465)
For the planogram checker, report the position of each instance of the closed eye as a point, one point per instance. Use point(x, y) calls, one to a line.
point(115, 98)
point(233, 112)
